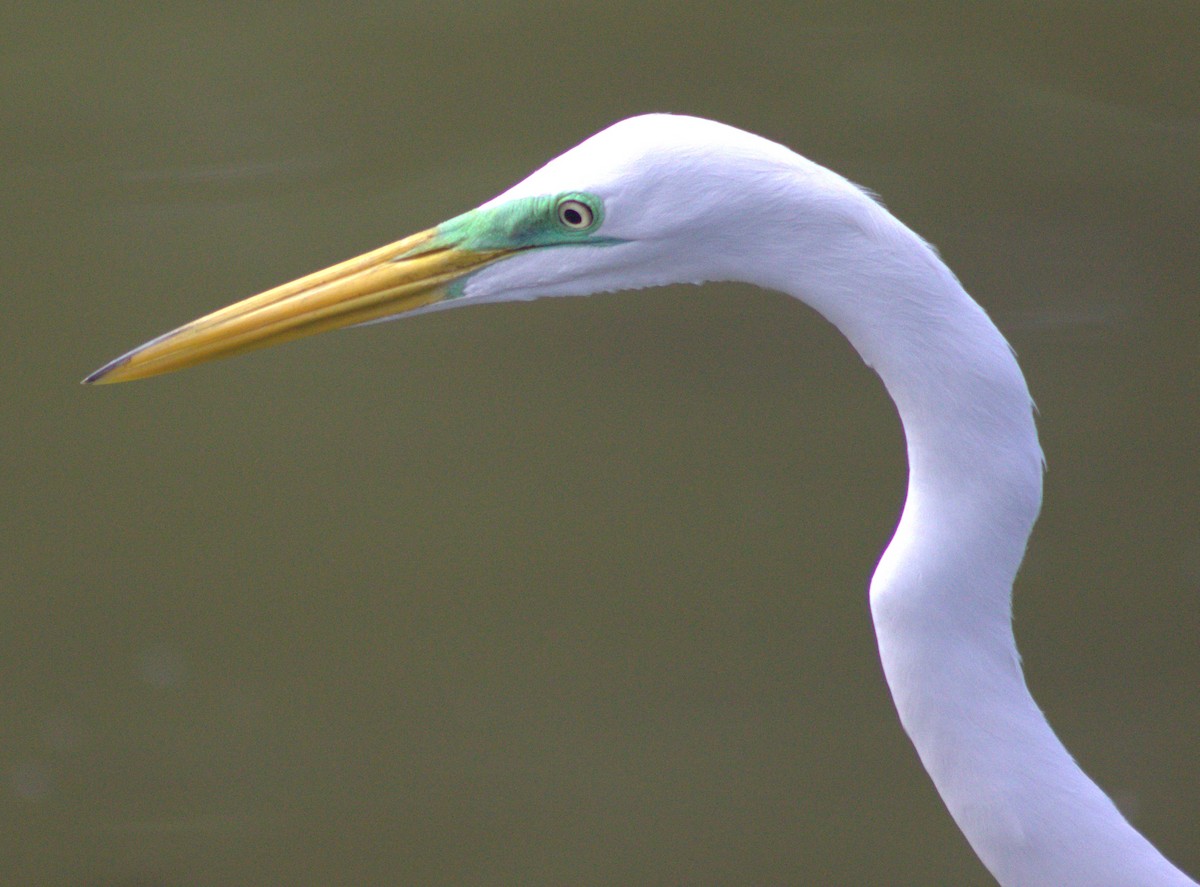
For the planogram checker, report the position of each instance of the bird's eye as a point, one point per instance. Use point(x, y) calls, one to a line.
point(575, 214)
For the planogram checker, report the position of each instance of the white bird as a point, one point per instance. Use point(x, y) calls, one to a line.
point(662, 199)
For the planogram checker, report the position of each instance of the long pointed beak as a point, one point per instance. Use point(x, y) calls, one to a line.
point(406, 275)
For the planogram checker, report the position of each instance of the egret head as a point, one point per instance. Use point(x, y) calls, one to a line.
point(639, 204)
point(673, 194)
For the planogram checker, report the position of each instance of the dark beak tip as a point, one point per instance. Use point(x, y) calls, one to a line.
point(98, 375)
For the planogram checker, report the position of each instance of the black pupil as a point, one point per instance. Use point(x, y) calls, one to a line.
point(572, 216)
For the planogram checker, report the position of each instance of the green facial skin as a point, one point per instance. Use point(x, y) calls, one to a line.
point(518, 224)
point(525, 223)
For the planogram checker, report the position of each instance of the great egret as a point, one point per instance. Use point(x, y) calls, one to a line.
point(664, 199)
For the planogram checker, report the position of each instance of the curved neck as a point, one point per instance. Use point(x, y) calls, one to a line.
point(941, 596)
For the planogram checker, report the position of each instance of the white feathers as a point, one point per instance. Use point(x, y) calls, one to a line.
point(694, 200)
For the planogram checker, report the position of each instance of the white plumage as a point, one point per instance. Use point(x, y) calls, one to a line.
point(701, 201)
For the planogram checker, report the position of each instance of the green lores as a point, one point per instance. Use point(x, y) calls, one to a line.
point(549, 220)
point(569, 219)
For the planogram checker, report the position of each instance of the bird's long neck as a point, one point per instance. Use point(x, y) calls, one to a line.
point(941, 596)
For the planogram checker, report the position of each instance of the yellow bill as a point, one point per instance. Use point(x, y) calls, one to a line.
point(406, 275)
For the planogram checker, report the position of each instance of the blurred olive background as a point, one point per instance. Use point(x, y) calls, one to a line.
point(571, 592)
